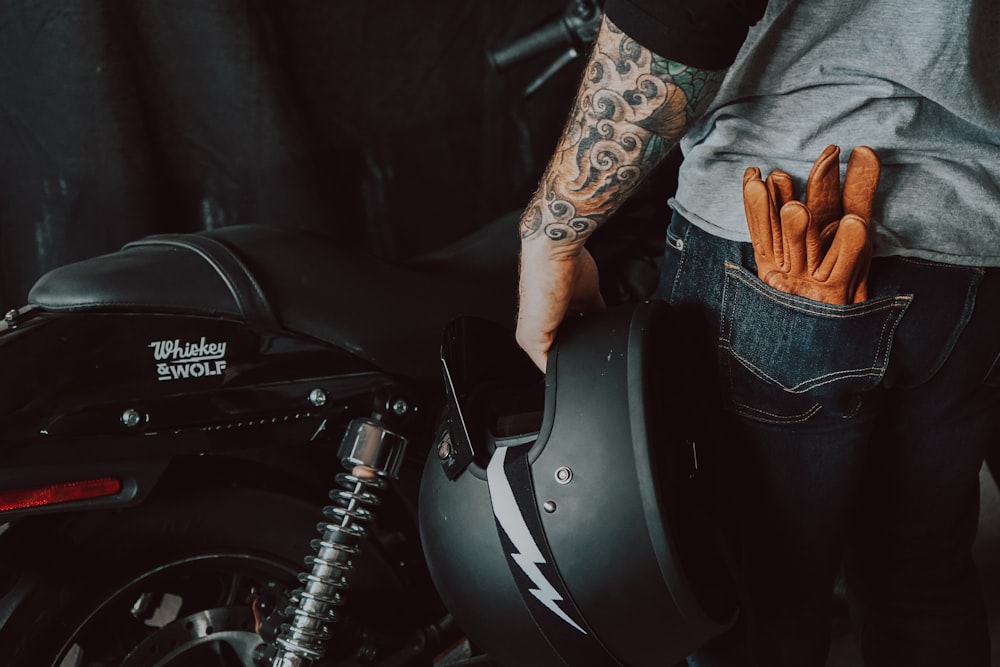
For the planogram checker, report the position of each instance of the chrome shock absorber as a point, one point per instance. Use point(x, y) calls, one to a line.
point(371, 453)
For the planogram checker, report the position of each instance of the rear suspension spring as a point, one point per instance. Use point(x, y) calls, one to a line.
point(373, 454)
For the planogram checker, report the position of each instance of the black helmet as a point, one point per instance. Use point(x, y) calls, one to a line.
point(561, 518)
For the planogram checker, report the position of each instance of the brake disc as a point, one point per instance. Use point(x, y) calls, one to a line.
point(229, 626)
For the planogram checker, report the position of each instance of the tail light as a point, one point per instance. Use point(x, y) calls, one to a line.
point(16, 499)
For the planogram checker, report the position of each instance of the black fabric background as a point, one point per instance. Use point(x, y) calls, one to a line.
point(379, 122)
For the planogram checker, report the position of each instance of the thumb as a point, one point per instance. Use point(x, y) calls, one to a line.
point(844, 260)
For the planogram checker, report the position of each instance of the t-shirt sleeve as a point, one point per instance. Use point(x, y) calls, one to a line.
point(700, 33)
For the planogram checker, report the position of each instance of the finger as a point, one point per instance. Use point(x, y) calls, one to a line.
point(794, 228)
point(843, 261)
point(823, 186)
point(536, 349)
point(545, 288)
point(538, 321)
point(860, 182)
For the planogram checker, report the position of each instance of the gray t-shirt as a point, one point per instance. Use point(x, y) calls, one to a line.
point(917, 80)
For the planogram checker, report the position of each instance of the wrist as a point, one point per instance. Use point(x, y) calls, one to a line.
point(541, 247)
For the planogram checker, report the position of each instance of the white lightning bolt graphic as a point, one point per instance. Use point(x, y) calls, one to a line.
point(528, 556)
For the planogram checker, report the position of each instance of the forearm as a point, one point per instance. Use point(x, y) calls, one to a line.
point(631, 109)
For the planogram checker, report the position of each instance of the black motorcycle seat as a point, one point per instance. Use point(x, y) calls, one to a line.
point(391, 315)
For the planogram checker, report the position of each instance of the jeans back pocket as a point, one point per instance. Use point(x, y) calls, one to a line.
point(785, 358)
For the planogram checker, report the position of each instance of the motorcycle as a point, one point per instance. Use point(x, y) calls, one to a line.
point(175, 421)
point(179, 409)
point(173, 418)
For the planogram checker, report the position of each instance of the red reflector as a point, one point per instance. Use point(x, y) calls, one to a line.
point(18, 499)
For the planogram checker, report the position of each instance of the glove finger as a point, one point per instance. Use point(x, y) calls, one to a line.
point(815, 246)
point(844, 260)
point(860, 182)
point(861, 279)
point(779, 185)
point(826, 236)
point(823, 187)
point(780, 189)
point(765, 232)
point(794, 229)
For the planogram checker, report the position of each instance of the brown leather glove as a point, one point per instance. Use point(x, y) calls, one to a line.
point(821, 249)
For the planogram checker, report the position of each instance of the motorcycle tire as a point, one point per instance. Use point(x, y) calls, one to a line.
point(168, 583)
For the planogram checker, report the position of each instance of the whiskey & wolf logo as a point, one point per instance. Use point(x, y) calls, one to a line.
point(177, 360)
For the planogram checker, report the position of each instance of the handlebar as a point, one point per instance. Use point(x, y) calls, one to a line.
point(552, 34)
point(575, 28)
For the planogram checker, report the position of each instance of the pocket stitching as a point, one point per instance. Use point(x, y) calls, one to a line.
point(873, 371)
point(819, 380)
point(730, 296)
point(811, 306)
point(782, 419)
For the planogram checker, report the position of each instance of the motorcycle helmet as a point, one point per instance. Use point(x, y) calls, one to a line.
point(564, 519)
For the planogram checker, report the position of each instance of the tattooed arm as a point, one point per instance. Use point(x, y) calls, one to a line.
point(631, 109)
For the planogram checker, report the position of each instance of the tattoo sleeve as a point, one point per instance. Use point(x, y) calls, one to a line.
point(631, 109)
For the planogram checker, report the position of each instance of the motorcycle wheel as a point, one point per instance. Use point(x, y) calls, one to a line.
point(165, 584)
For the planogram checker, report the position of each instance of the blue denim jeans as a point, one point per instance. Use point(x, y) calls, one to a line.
point(852, 441)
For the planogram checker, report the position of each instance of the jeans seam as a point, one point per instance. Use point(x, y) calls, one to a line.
point(970, 305)
point(681, 260)
point(726, 335)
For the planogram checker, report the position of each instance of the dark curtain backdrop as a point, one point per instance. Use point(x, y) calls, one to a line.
point(378, 122)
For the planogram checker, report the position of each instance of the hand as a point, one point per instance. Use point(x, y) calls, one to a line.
point(821, 249)
point(554, 280)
